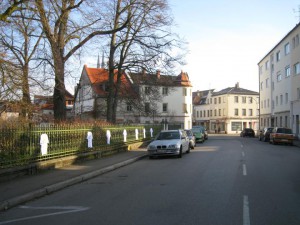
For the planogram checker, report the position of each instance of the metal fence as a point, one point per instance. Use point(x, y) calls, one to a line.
point(20, 146)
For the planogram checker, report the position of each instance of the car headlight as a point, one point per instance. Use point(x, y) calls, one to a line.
point(151, 147)
point(174, 146)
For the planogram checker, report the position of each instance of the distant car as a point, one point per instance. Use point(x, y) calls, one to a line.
point(192, 138)
point(247, 132)
point(264, 135)
point(169, 142)
point(199, 133)
point(281, 135)
point(204, 130)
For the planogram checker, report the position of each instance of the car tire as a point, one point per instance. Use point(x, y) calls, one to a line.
point(180, 153)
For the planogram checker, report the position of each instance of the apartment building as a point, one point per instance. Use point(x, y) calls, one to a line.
point(279, 83)
point(227, 111)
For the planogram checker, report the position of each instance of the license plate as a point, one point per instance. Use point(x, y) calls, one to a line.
point(161, 151)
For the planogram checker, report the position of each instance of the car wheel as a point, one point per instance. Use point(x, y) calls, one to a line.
point(180, 152)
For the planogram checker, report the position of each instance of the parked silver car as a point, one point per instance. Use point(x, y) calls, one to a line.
point(169, 142)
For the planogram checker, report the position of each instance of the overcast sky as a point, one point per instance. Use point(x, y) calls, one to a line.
point(227, 38)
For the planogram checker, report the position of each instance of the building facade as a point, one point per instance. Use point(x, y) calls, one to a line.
point(227, 111)
point(279, 79)
point(147, 98)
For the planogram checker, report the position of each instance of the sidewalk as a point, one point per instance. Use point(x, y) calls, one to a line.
point(26, 188)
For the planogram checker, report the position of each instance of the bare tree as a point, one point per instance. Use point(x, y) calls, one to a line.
point(9, 7)
point(147, 42)
point(19, 39)
point(68, 26)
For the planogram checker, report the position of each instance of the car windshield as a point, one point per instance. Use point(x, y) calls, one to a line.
point(196, 130)
point(168, 136)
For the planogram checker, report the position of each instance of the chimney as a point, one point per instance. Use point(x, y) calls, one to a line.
point(237, 85)
point(158, 74)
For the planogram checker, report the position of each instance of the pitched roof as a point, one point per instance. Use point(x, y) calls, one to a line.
point(99, 78)
point(161, 80)
point(199, 97)
point(236, 90)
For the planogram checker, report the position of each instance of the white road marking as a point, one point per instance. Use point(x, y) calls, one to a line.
point(246, 211)
point(244, 170)
point(243, 154)
point(66, 209)
point(242, 146)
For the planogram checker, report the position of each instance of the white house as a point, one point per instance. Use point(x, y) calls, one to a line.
point(279, 82)
point(227, 111)
point(146, 98)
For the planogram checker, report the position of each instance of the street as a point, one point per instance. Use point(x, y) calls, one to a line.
point(227, 180)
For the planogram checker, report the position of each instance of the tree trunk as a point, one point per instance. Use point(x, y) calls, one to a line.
point(59, 94)
point(25, 93)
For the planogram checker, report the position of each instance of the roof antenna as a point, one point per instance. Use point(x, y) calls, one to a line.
point(297, 11)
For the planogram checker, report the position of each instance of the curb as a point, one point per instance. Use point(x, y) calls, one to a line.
point(7, 204)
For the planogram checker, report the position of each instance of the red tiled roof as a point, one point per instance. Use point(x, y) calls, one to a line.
point(99, 77)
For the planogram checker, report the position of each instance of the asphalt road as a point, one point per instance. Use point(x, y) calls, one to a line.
point(227, 181)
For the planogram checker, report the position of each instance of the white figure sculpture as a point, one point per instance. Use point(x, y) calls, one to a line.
point(136, 134)
point(151, 132)
point(90, 139)
point(125, 135)
point(144, 130)
point(44, 141)
point(108, 135)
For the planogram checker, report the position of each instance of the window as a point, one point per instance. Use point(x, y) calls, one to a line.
point(267, 65)
point(250, 100)
point(287, 49)
point(297, 40)
point(129, 107)
point(244, 99)
point(147, 107)
point(200, 113)
point(236, 112)
point(286, 98)
point(204, 113)
point(287, 71)
point(279, 77)
point(243, 112)
point(298, 93)
point(165, 107)
point(261, 85)
point(297, 68)
point(250, 112)
point(267, 82)
point(185, 110)
point(219, 100)
point(281, 99)
point(165, 91)
point(215, 112)
point(278, 56)
point(210, 113)
point(236, 126)
point(147, 90)
point(236, 99)
point(276, 100)
point(184, 92)
point(215, 100)
point(220, 112)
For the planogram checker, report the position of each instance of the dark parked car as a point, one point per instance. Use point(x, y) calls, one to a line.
point(192, 138)
point(264, 135)
point(247, 132)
